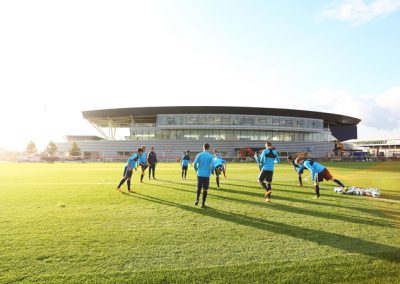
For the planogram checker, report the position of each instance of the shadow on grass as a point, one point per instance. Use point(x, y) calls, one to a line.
point(345, 243)
point(298, 190)
point(295, 210)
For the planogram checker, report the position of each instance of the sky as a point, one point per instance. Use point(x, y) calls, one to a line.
point(58, 58)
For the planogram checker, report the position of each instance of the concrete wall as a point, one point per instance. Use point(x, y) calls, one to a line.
point(170, 150)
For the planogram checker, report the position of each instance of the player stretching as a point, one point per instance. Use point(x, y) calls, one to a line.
point(130, 165)
point(297, 168)
point(218, 168)
point(203, 167)
point(143, 162)
point(268, 159)
point(318, 173)
point(218, 155)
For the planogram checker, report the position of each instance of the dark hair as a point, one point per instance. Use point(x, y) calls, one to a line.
point(152, 148)
point(140, 149)
point(206, 146)
point(290, 158)
point(269, 144)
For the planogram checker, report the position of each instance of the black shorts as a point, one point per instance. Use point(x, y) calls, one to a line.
point(127, 173)
point(203, 182)
point(184, 168)
point(144, 166)
point(300, 172)
point(324, 175)
point(219, 169)
point(266, 175)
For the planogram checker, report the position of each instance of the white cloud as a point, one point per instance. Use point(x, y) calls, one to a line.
point(361, 11)
point(379, 114)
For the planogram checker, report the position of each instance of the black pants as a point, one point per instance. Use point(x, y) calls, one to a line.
point(202, 183)
point(152, 169)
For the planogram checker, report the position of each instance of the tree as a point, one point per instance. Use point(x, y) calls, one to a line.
point(74, 150)
point(31, 148)
point(51, 148)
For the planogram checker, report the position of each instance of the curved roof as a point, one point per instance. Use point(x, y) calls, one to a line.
point(97, 115)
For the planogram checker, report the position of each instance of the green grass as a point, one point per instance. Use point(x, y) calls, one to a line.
point(158, 235)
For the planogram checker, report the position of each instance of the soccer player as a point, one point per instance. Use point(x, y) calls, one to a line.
point(257, 158)
point(299, 169)
point(203, 166)
point(131, 164)
point(318, 173)
point(152, 160)
point(185, 161)
point(218, 168)
point(143, 162)
point(219, 156)
point(269, 157)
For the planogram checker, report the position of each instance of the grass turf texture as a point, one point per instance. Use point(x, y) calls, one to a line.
point(66, 222)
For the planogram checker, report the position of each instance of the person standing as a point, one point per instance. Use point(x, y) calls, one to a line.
point(143, 162)
point(185, 161)
point(131, 164)
point(269, 157)
point(152, 160)
point(203, 166)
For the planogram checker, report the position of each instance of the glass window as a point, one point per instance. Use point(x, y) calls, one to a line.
point(222, 134)
point(301, 123)
point(170, 120)
point(217, 120)
point(230, 135)
point(203, 134)
point(226, 120)
point(288, 123)
point(275, 121)
point(179, 134)
point(159, 135)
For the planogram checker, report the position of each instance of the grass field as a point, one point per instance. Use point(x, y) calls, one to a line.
point(67, 223)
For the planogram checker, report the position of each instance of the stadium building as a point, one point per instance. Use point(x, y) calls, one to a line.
point(235, 131)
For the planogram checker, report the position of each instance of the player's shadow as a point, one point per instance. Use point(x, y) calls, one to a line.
point(295, 210)
point(372, 211)
point(334, 240)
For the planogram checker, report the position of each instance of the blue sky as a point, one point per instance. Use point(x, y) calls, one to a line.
point(59, 58)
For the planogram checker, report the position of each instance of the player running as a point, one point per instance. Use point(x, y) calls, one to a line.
point(185, 161)
point(218, 168)
point(318, 173)
point(299, 169)
point(269, 157)
point(143, 162)
point(203, 166)
point(131, 164)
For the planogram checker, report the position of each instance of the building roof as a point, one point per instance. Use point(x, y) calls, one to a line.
point(122, 117)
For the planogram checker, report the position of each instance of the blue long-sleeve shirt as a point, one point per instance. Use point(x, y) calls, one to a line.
point(143, 158)
point(268, 159)
point(298, 168)
point(185, 160)
point(203, 164)
point(257, 158)
point(314, 167)
point(132, 161)
point(217, 162)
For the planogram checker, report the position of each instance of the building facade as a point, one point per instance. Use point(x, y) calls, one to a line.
point(231, 130)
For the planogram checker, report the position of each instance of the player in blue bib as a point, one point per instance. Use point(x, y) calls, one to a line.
point(131, 164)
point(203, 166)
point(185, 161)
point(269, 157)
point(218, 169)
